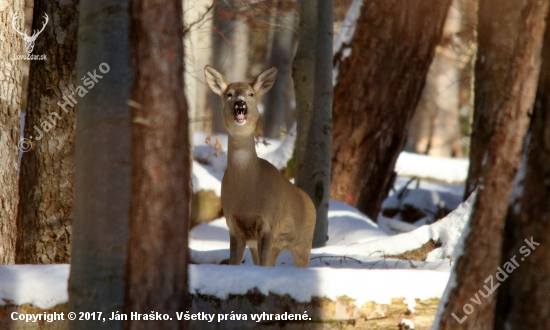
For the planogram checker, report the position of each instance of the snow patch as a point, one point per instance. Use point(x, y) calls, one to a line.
point(43, 286)
point(449, 170)
point(304, 283)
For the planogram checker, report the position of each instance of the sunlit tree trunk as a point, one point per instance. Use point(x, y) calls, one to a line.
point(482, 252)
point(313, 82)
point(435, 126)
point(11, 86)
point(44, 221)
point(498, 24)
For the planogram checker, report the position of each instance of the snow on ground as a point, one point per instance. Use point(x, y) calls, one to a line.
point(354, 242)
point(356, 261)
point(358, 248)
point(44, 286)
point(303, 284)
point(450, 170)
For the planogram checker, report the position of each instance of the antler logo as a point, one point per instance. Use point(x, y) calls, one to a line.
point(29, 39)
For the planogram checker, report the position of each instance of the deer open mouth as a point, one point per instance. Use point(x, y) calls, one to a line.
point(240, 112)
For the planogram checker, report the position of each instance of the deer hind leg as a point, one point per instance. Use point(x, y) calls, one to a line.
point(300, 255)
point(237, 245)
point(255, 255)
point(275, 251)
point(265, 244)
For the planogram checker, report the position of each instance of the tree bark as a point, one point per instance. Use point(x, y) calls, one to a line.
point(303, 74)
point(377, 90)
point(44, 220)
point(102, 165)
point(161, 178)
point(483, 245)
point(526, 295)
point(314, 138)
point(498, 22)
point(11, 86)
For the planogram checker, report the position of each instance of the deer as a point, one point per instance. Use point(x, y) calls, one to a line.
point(263, 210)
point(29, 39)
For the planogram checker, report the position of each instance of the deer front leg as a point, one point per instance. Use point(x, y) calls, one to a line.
point(265, 243)
point(237, 246)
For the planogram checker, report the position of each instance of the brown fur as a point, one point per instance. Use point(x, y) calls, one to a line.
point(263, 209)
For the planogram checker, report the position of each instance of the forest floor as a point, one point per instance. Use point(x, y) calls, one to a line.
point(364, 263)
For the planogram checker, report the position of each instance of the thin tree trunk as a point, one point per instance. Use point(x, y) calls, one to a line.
point(526, 295)
point(11, 86)
point(498, 24)
point(157, 259)
point(303, 74)
point(434, 128)
point(229, 53)
point(377, 90)
point(277, 101)
point(313, 175)
point(102, 165)
point(44, 220)
point(483, 245)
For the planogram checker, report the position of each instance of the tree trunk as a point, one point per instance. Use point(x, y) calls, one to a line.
point(526, 295)
point(481, 258)
point(498, 24)
point(45, 214)
point(229, 53)
point(11, 85)
point(378, 87)
point(161, 179)
point(303, 74)
point(198, 40)
point(102, 164)
point(277, 102)
point(434, 127)
point(313, 165)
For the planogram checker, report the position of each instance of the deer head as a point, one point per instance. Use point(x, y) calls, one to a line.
point(240, 99)
point(29, 39)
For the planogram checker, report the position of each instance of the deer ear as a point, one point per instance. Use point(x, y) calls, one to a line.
point(265, 80)
point(215, 80)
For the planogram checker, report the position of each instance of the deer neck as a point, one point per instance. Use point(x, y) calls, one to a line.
point(241, 154)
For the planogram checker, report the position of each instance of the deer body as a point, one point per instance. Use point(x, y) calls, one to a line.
point(263, 209)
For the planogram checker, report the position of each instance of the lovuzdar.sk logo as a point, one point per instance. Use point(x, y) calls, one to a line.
point(28, 39)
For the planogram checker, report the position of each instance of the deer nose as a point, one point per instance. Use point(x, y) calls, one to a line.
point(240, 107)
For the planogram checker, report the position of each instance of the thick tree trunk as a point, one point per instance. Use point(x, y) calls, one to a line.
point(102, 164)
point(526, 295)
point(482, 253)
point(277, 102)
point(11, 85)
point(157, 256)
point(498, 24)
point(378, 88)
point(44, 221)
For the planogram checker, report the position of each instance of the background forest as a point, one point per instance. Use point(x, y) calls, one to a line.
point(419, 130)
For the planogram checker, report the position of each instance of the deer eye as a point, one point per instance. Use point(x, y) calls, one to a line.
point(229, 95)
point(250, 94)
